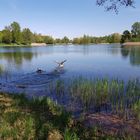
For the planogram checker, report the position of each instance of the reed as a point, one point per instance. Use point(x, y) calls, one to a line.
point(98, 95)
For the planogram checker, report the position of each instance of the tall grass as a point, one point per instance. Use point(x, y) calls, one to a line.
point(40, 117)
point(99, 95)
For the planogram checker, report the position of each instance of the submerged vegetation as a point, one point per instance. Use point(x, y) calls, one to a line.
point(110, 110)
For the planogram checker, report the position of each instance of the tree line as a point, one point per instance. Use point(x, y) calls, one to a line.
point(13, 34)
point(133, 35)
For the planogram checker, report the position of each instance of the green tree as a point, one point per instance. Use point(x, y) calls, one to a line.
point(126, 36)
point(26, 36)
point(76, 41)
point(85, 39)
point(58, 40)
point(1, 35)
point(38, 38)
point(49, 40)
point(16, 34)
point(116, 37)
point(7, 35)
point(65, 40)
point(136, 29)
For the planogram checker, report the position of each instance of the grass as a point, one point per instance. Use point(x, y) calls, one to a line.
point(12, 45)
point(41, 118)
point(101, 94)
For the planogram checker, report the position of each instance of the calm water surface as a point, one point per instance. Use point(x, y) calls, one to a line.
point(18, 65)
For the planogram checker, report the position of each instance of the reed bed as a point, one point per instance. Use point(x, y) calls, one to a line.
point(101, 95)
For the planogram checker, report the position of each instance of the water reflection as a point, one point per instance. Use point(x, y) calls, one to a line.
point(86, 60)
point(133, 53)
point(16, 57)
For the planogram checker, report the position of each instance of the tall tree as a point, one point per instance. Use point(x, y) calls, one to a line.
point(126, 36)
point(65, 40)
point(116, 38)
point(136, 29)
point(16, 34)
point(26, 36)
point(1, 36)
point(7, 35)
point(48, 40)
point(38, 38)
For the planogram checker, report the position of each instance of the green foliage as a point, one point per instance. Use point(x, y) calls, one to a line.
point(126, 36)
point(65, 40)
point(114, 38)
point(136, 29)
point(69, 135)
point(58, 40)
point(136, 109)
point(48, 40)
point(38, 38)
point(16, 33)
point(13, 34)
point(41, 118)
point(134, 36)
point(1, 36)
point(26, 36)
point(6, 36)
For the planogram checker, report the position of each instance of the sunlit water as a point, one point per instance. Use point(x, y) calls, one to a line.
point(18, 65)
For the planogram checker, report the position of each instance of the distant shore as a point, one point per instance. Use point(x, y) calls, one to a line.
point(131, 44)
point(13, 45)
point(38, 44)
point(22, 45)
point(44, 44)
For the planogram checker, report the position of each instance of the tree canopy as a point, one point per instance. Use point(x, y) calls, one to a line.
point(14, 34)
point(15, 28)
point(136, 29)
point(133, 35)
point(26, 36)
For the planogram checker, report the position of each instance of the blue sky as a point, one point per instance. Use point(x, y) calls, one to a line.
point(67, 17)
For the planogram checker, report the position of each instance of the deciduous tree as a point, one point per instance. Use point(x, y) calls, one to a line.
point(26, 36)
point(16, 35)
point(136, 29)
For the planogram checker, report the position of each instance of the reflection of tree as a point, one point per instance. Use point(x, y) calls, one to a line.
point(133, 53)
point(16, 57)
point(1, 70)
point(135, 56)
point(125, 52)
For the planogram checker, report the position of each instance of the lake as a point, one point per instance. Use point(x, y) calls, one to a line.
point(18, 65)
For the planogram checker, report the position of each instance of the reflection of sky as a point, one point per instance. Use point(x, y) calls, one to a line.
point(91, 61)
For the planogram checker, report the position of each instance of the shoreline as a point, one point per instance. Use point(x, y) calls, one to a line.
point(44, 44)
point(14, 45)
point(131, 44)
point(38, 44)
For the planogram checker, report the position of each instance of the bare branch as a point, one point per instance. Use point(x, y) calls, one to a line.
point(115, 4)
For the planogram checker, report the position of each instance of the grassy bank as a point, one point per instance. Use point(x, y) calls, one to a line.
point(13, 45)
point(41, 118)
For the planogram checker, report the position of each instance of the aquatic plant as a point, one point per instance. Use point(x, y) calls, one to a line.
point(99, 95)
point(41, 117)
point(68, 135)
